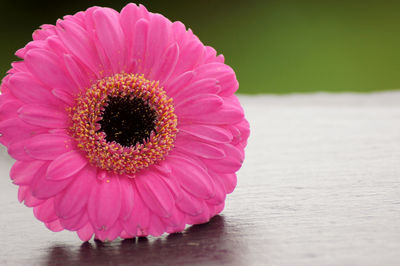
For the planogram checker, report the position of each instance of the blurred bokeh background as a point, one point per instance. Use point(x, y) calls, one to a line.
point(274, 46)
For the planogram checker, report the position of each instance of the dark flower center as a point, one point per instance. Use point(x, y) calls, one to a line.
point(127, 121)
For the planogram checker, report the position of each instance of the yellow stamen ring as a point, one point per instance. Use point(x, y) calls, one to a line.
point(112, 156)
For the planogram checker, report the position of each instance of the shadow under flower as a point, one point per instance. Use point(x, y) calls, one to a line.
point(198, 244)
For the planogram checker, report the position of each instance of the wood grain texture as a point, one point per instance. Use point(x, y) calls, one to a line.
point(320, 186)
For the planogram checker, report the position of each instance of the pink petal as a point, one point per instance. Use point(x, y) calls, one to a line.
point(128, 18)
point(230, 164)
point(165, 66)
point(158, 39)
point(220, 193)
point(229, 181)
point(157, 227)
point(55, 131)
point(127, 198)
point(193, 178)
point(80, 76)
point(22, 173)
point(221, 72)
point(66, 165)
point(140, 216)
point(176, 222)
point(198, 148)
point(17, 151)
point(30, 200)
point(55, 45)
point(210, 55)
point(19, 66)
point(235, 133)
point(55, 226)
point(44, 189)
point(44, 32)
point(179, 31)
point(155, 193)
point(190, 54)
point(78, 18)
point(201, 218)
point(8, 110)
point(110, 234)
point(220, 58)
point(208, 133)
point(225, 115)
point(177, 229)
point(104, 203)
point(143, 12)
point(4, 86)
point(111, 37)
point(125, 235)
point(199, 104)
point(190, 204)
point(15, 130)
point(45, 211)
point(173, 186)
point(49, 146)
point(31, 45)
point(244, 131)
point(104, 66)
point(63, 96)
point(77, 40)
point(39, 35)
point(75, 222)
point(86, 232)
point(203, 86)
point(163, 168)
point(179, 83)
point(22, 193)
point(139, 43)
point(43, 115)
point(28, 90)
point(48, 68)
point(20, 53)
point(218, 208)
point(76, 195)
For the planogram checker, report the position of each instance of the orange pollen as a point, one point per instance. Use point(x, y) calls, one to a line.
point(112, 156)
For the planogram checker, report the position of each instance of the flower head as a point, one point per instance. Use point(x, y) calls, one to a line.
point(121, 125)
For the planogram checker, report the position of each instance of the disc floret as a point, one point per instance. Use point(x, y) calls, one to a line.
point(87, 113)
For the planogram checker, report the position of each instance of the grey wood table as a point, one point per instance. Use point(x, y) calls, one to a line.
point(320, 186)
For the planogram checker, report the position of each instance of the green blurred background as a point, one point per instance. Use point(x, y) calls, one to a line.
point(274, 46)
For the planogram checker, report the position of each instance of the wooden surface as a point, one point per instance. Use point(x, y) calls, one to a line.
point(320, 186)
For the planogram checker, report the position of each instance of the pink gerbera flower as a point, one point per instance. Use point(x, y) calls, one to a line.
point(121, 125)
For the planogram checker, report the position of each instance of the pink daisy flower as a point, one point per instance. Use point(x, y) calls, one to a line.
point(121, 125)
